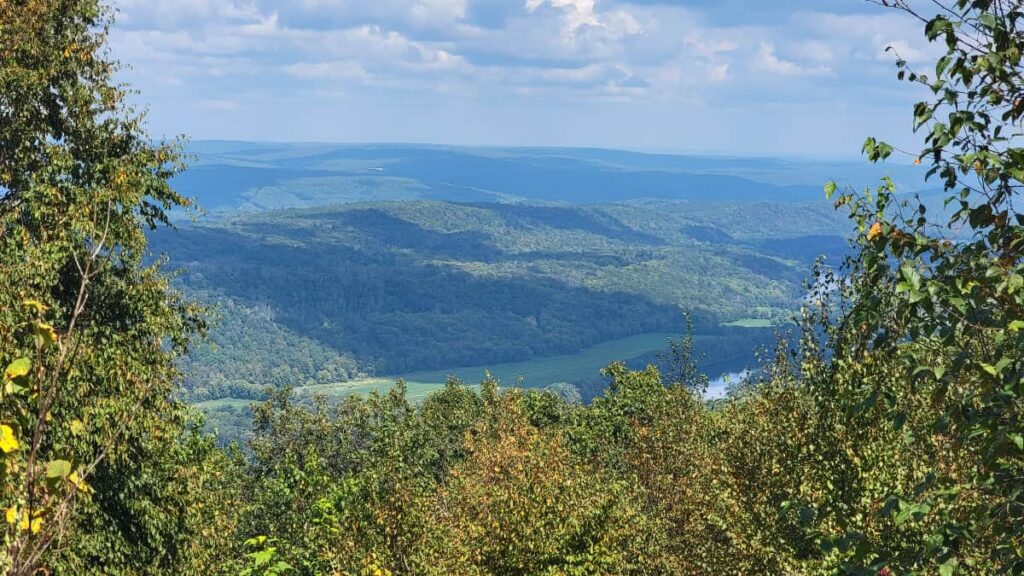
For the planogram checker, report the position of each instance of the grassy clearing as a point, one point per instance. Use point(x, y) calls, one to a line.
point(535, 373)
point(750, 323)
point(212, 405)
point(416, 391)
point(543, 371)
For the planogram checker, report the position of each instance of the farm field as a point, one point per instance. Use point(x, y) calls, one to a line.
point(534, 373)
point(541, 372)
point(230, 416)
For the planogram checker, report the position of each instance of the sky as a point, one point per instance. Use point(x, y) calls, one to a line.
point(764, 77)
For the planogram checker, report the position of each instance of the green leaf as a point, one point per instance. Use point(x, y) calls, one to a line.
point(912, 276)
point(830, 189)
point(911, 511)
point(899, 420)
point(1017, 439)
point(58, 469)
point(1014, 283)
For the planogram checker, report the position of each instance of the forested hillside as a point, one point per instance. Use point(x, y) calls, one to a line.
point(400, 259)
point(400, 287)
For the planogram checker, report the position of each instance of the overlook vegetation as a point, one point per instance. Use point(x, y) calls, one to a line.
point(885, 435)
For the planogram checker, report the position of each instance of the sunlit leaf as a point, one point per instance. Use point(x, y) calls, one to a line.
point(46, 333)
point(8, 440)
point(875, 231)
point(17, 369)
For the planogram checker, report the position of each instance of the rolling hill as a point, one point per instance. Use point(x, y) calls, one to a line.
point(341, 268)
point(229, 177)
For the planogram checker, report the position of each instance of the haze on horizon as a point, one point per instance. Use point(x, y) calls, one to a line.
point(804, 78)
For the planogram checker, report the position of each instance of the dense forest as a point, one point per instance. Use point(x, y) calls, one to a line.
point(884, 437)
point(398, 287)
point(249, 352)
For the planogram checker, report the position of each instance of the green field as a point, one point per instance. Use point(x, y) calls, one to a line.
point(568, 368)
point(534, 373)
point(415, 391)
point(234, 403)
point(751, 323)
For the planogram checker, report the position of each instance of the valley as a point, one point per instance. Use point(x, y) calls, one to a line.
point(565, 375)
point(338, 269)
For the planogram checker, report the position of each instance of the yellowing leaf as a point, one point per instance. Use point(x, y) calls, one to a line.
point(11, 514)
point(39, 306)
point(8, 441)
point(80, 484)
point(33, 525)
point(875, 231)
point(830, 189)
point(17, 369)
point(46, 333)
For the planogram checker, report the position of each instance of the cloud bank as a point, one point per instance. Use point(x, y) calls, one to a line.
point(725, 75)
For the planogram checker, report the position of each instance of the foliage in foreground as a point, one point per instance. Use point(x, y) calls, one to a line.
point(887, 441)
point(649, 479)
point(96, 461)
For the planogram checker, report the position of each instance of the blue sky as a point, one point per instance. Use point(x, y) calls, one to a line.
point(767, 77)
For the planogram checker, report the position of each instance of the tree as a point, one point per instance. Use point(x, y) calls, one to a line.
point(88, 330)
point(523, 503)
point(946, 296)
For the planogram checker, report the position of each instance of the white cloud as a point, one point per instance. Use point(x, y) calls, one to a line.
point(334, 69)
point(578, 13)
point(766, 61)
point(709, 47)
point(582, 14)
point(221, 55)
point(438, 11)
point(813, 50)
point(904, 50)
point(866, 36)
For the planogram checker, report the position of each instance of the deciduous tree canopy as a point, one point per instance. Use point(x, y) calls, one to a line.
point(888, 439)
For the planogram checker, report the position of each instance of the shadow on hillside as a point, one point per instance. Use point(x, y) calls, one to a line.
point(398, 314)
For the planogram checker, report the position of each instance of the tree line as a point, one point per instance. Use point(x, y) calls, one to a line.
point(886, 439)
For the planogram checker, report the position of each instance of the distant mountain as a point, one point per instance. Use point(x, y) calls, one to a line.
point(230, 177)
